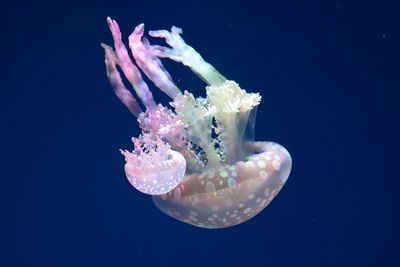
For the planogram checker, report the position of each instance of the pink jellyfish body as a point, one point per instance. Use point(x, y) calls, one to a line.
point(156, 170)
point(198, 160)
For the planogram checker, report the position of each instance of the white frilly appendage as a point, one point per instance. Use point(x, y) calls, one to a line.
point(185, 54)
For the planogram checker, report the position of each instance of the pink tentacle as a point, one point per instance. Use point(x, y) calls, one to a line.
point(150, 64)
point(116, 82)
point(131, 72)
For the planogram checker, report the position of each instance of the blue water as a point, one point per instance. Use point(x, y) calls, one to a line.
point(328, 75)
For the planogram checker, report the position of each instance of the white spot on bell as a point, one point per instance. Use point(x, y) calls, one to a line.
point(276, 164)
point(261, 164)
point(263, 174)
point(210, 187)
point(247, 210)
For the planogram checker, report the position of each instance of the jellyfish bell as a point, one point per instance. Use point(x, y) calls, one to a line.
point(232, 194)
point(156, 178)
point(154, 168)
point(199, 161)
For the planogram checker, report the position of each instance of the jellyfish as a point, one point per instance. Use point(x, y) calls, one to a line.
point(197, 157)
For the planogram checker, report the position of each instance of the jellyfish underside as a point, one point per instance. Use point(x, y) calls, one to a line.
point(199, 161)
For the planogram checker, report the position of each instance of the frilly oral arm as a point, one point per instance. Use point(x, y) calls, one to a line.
point(150, 64)
point(131, 72)
point(185, 54)
point(116, 82)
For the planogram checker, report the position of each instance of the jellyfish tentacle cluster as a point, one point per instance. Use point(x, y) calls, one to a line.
point(197, 158)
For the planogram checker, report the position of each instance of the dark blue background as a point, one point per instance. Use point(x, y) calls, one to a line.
point(328, 72)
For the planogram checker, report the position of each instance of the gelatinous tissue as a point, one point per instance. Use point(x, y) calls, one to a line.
point(198, 159)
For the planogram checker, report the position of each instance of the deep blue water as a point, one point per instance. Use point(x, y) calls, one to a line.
point(328, 72)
